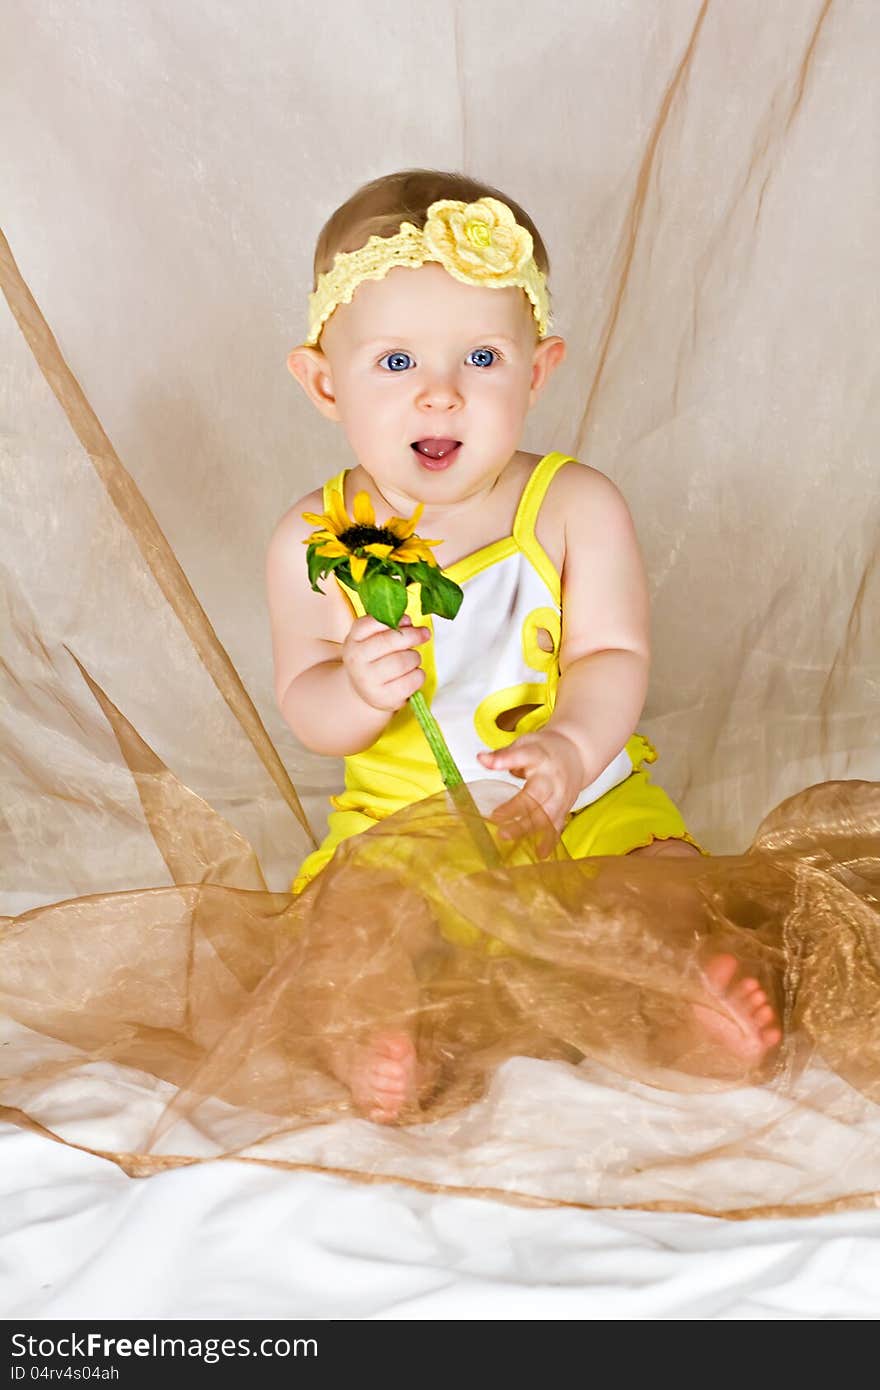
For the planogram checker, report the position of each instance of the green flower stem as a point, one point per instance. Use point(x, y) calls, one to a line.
point(453, 780)
point(439, 747)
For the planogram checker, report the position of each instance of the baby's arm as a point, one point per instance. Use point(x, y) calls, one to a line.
point(605, 654)
point(312, 689)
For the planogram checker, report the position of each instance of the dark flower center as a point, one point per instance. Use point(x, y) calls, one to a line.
point(368, 535)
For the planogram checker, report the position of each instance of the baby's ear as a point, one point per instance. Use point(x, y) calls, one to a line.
point(312, 370)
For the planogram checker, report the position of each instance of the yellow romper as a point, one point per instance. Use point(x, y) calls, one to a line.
point(484, 662)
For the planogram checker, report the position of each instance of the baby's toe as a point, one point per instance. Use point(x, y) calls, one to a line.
point(389, 1085)
point(720, 971)
point(382, 1117)
point(745, 991)
point(386, 1071)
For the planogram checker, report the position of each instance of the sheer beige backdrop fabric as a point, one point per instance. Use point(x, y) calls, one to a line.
point(705, 177)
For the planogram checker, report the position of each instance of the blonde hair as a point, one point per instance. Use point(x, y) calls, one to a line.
point(377, 208)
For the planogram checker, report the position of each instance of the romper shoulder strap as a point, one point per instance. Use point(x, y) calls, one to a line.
point(336, 485)
point(527, 514)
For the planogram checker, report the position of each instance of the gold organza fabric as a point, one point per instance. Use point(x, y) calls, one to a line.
point(710, 203)
point(170, 1025)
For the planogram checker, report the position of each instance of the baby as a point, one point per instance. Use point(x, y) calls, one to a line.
point(430, 345)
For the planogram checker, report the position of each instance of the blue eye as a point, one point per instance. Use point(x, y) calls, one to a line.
point(484, 352)
point(397, 360)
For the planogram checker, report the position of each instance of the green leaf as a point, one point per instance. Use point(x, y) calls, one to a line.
point(441, 596)
point(319, 565)
point(344, 576)
point(421, 571)
point(316, 568)
point(402, 571)
point(383, 597)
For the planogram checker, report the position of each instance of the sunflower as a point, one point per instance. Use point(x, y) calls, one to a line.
point(379, 562)
point(358, 537)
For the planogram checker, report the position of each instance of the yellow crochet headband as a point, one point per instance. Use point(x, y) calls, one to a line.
point(478, 243)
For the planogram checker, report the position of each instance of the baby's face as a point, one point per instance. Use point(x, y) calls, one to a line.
point(420, 354)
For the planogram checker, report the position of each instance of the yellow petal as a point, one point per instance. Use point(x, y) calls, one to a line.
point(316, 518)
point(415, 550)
point(382, 551)
point(332, 548)
point(363, 510)
point(409, 554)
point(403, 528)
point(358, 566)
point(400, 527)
point(317, 536)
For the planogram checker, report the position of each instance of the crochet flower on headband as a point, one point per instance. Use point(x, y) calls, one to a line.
point(478, 243)
point(479, 240)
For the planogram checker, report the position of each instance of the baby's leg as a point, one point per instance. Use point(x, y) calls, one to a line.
point(743, 1022)
point(360, 989)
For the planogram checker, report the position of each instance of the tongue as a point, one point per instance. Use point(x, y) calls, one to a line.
point(436, 448)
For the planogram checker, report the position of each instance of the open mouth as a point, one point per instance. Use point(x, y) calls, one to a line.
point(436, 453)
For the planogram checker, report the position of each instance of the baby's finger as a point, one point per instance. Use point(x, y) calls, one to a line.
point(547, 842)
point(389, 639)
point(366, 626)
point(541, 819)
point(519, 758)
point(522, 828)
point(521, 815)
point(538, 788)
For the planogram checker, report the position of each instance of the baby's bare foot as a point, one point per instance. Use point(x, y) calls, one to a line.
point(383, 1076)
point(746, 1024)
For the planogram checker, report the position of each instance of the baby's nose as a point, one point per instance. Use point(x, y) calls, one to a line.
point(440, 393)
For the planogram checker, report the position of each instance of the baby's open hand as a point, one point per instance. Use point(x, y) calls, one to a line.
point(554, 771)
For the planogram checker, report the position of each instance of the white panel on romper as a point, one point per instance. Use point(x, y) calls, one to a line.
point(480, 652)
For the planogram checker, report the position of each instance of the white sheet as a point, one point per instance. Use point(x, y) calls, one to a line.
point(225, 1240)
